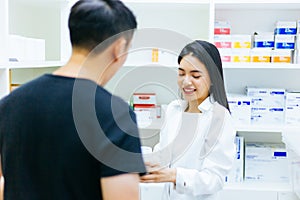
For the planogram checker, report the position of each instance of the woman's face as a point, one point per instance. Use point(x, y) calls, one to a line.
point(193, 79)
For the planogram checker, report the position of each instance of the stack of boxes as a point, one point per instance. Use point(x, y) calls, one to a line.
point(267, 105)
point(279, 46)
point(262, 47)
point(144, 106)
point(222, 40)
point(232, 47)
point(285, 32)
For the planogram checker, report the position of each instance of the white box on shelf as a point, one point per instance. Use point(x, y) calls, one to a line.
point(240, 55)
point(226, 54)
point(26, 49)
point(264, 40)
point(236, 174)
point(222, 28)
point(260, 55)
point(292, 108)
point(144, 99)
point(266, 162)
point(281, 56)
point(240, 108)
point(267, 115)
point(284, 42)
point(241, 41)
point(266, 97)
point(285, 28)
point(222, 41)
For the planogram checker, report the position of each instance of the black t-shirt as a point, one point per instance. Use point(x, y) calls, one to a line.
point(60, 135)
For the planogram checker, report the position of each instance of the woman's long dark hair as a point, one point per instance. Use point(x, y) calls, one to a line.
point(209, 55)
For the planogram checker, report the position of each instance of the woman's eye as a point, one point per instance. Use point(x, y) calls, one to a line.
point(196, 77)
point(180, 74)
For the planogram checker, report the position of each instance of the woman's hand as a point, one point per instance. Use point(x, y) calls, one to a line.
point(158, 176)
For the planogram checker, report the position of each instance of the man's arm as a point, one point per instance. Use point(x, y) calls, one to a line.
point(125, 187)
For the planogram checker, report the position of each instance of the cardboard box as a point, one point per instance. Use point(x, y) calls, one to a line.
point(266, 162)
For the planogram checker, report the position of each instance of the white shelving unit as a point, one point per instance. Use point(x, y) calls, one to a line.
point(192, 18)
point(245, 17)
point(35, 19)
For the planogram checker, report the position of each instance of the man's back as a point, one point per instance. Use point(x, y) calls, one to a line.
point(42, 154)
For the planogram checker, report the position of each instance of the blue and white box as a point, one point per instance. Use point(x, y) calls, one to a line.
point(266, 97)
point(266, 162)
point(240, 108)
point(264, 41)
point(236, 175)
point(284, 42)
point(267, 105)
point(292, 108)
point(285, 28)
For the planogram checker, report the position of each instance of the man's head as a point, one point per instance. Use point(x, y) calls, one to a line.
point(91, 22)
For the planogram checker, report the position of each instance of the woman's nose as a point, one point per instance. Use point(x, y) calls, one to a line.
point(186, 80)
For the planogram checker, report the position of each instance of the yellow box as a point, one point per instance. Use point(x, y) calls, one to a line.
point(281, 56)
point(240, 55)
point(240, 58)
point(260, 55)
point(241, 41)
point(239, 45)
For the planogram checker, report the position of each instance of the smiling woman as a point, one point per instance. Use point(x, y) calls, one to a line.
point(193, 81)
point(198, 130)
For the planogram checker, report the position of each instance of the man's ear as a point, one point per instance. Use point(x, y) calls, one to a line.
point(120, 48)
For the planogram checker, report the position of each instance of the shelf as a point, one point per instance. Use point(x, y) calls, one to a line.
point(169, 1)
point(31, 64)
point(260, 66)
point(260, 128)
point(259, 186)
point(226, 65)
point(257, 4)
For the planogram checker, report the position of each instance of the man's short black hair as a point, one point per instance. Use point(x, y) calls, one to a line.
point(91, 22)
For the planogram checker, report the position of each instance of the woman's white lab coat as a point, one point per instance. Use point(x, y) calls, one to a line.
point(208, 152)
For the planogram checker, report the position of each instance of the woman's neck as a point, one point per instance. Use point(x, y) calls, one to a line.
point(193, 107)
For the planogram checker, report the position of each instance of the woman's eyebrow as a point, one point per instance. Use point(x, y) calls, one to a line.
point(192, 71)
point(196, 71)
